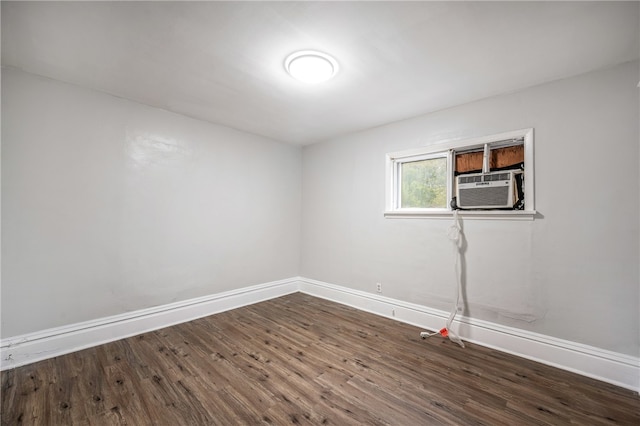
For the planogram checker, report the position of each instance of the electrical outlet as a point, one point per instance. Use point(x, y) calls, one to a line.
point(379, 287)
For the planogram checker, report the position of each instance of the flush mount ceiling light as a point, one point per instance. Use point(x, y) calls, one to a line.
point(310, 66)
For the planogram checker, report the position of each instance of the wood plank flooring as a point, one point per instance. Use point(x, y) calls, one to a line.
point(302, 360)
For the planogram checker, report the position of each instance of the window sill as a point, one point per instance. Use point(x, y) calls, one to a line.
point(470, 214)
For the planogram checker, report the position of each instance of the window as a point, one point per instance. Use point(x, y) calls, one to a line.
point(423, 182)
point(490, 176)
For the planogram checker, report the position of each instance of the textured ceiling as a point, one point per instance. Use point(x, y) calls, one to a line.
point(223, 61)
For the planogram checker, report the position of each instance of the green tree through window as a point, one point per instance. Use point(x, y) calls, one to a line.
point(424, 184)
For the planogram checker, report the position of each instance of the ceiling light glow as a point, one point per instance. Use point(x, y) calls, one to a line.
point(311, 67)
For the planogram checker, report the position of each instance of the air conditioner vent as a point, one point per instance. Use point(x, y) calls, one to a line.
point(496, 176)
point(469, 179)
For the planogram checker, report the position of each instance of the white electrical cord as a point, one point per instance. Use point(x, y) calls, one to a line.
point(455, 235)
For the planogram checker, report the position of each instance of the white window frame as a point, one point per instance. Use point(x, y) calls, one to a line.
point(397, 165)
point(446, 149)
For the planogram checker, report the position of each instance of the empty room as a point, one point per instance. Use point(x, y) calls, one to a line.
point(381, 213)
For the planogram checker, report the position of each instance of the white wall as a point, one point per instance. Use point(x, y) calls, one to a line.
point(572, 273)
point(110, 206)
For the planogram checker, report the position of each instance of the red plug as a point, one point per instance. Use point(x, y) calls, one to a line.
point(444, 332)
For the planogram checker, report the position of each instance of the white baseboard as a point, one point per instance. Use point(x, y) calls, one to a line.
point(618, 369)
point(607, 366)
point(28, 348)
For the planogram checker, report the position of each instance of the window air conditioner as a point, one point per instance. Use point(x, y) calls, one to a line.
point(493, 190)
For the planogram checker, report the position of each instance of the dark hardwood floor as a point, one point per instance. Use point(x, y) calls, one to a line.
point(303, 360)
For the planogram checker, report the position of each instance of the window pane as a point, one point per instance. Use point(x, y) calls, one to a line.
point(424, 183)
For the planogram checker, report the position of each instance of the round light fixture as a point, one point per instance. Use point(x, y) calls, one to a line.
point(310, 66)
